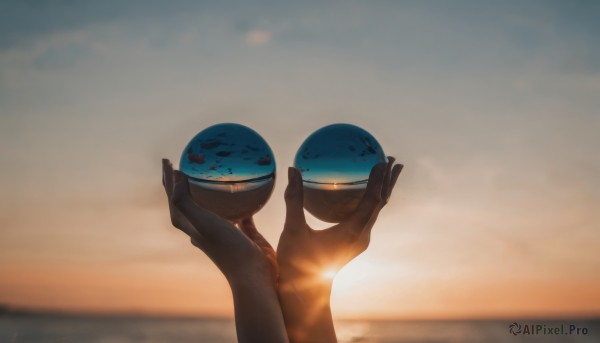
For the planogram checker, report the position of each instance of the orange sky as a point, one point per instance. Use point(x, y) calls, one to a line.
point(493, 110)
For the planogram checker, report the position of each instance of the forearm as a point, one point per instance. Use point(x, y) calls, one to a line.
point(258, 316)
point(306, 309)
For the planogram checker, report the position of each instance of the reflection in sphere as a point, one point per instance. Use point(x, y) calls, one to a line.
point(231, 170)
point(335, 163)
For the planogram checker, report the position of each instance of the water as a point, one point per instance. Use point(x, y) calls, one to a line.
point(231, 170)
point(89, 329)
point(235, 200)
point(332, 202)
point(335, 162)
point(55, 329)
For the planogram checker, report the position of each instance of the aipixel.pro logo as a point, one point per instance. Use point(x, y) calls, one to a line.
point(516, 329)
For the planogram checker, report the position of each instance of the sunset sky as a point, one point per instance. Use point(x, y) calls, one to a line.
point(493, 107)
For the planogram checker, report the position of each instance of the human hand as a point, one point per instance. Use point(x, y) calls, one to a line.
point(239, 254)
point(307, 253)
point(243, 256)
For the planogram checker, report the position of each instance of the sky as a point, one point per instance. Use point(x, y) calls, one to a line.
point(492, 106)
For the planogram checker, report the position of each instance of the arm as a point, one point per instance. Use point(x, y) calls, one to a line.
point(244, 259)
point(305, 304)
point(258, 316)
point(304, 254)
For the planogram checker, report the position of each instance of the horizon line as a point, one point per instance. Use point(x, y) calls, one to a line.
point(6, 309)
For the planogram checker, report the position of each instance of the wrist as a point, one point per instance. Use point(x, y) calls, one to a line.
point(258, 316)
point(307, 289)
point(248, 277)
point(253, 287)
point(305, 304)
point(289, 275)
point(305, 282)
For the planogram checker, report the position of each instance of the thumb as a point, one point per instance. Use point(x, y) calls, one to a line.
point(294, 202)
point(248, 227)
point(181, 191)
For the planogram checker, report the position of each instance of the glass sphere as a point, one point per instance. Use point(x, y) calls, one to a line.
point(335, 163)
point(231, 170)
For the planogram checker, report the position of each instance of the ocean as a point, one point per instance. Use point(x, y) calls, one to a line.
point(28, 328)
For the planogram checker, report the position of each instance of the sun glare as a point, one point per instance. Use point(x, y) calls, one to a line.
point(359, 274)
point(329, 274)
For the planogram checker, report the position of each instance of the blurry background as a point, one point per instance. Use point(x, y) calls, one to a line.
point(491, 106)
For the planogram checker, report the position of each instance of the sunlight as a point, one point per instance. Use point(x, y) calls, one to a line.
point(356, 275)
point(329, 274)
point(368, 285)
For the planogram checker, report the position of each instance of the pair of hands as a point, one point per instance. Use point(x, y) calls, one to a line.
point(238, 249)
point(280, 297)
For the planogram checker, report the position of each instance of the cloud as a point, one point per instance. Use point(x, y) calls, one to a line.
point(258, 37)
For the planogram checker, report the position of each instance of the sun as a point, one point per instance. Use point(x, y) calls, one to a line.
point(329, 274)
point(354, 276)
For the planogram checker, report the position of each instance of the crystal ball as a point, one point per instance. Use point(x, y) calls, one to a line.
point(231, 170)
point(335, 162)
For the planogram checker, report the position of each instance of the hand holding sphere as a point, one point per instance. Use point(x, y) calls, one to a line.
point(335, 162)
point(304, 254)
point(227, 175)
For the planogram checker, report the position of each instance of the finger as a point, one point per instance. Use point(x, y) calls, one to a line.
point(369, 226)
point(272, 259)
point(191, 231)
point(387, 177)
point(181, 223)
point(181, 189)
point(365, 235)
point(167, 176)
point(372, 196)
point(370, 204)
point(395, 174)
point(163, 173)
point(248, 227)
point(177, 219)
point(206, 223)
point(199, 243)
point(262, 242)
point(294, 202)
point(168, 185)
point(184, 223)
